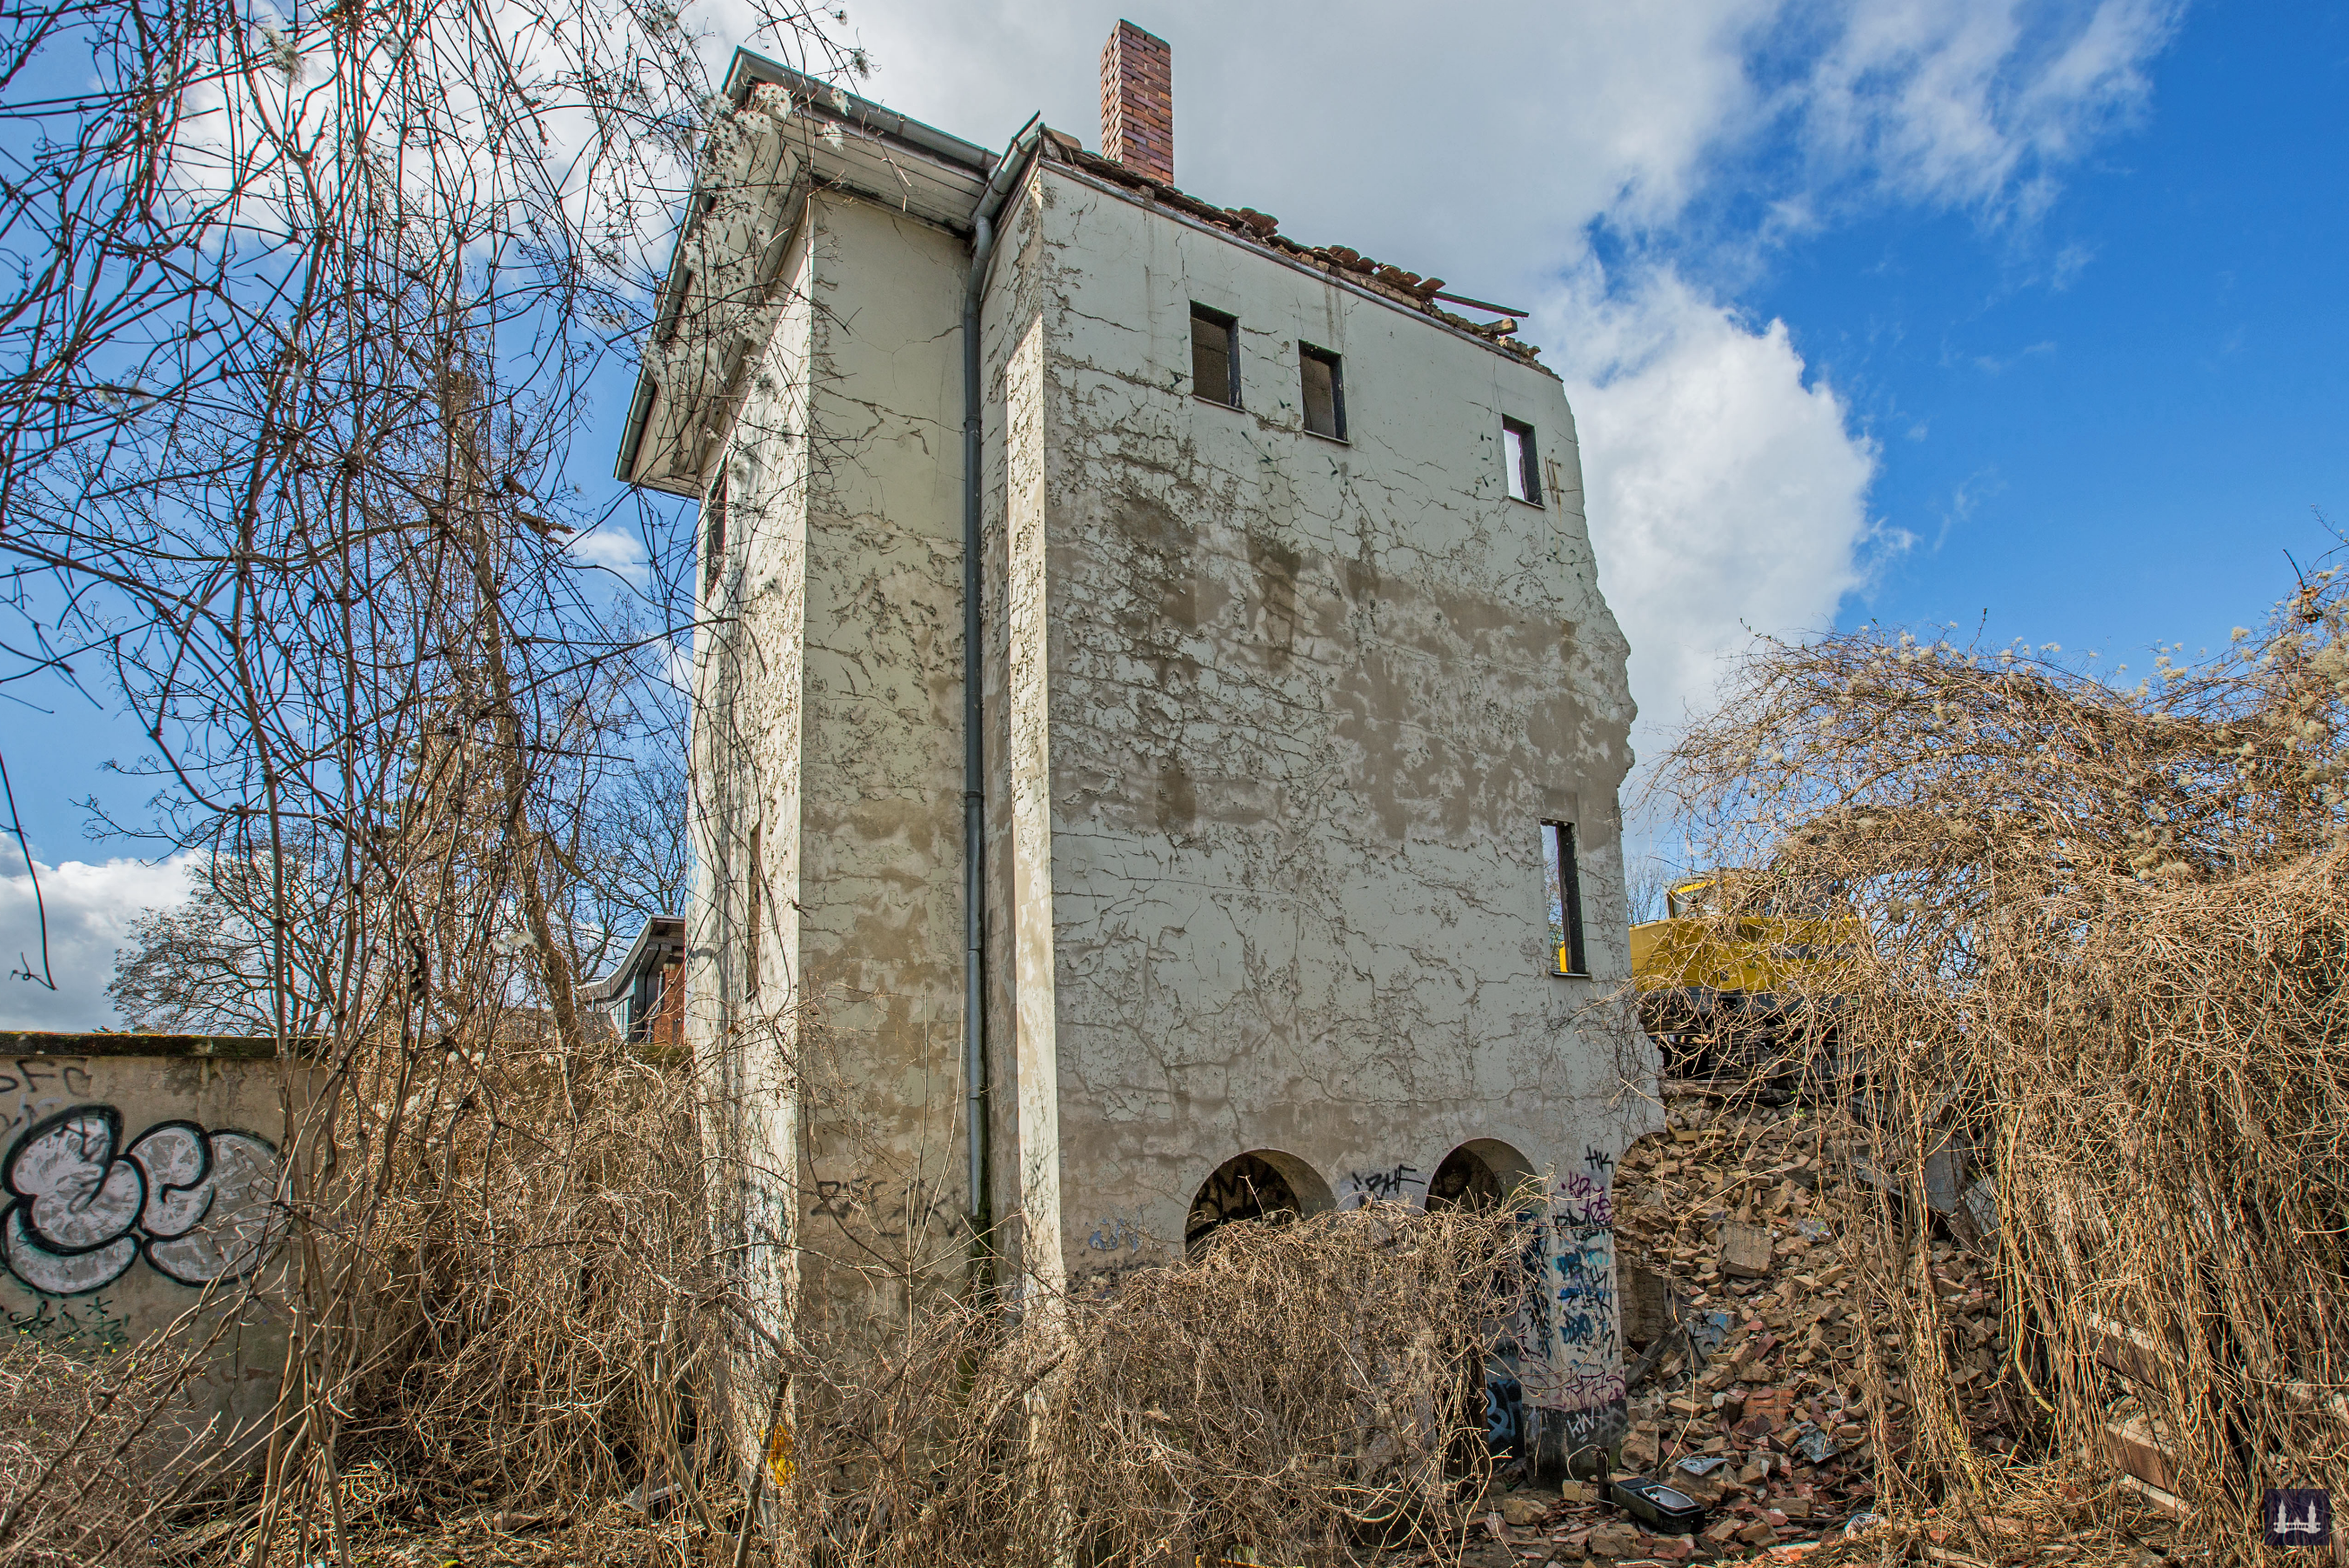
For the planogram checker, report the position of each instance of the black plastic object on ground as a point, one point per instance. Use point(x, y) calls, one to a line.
point(1656, 1506)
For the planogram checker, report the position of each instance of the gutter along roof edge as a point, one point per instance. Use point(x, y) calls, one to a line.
point(750, 69)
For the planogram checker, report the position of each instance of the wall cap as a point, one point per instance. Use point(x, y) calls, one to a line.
point(111, 1042)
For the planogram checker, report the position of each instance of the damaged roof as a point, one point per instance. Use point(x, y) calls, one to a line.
point(1342, 262)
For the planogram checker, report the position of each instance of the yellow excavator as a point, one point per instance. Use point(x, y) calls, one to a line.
point(1743, 977)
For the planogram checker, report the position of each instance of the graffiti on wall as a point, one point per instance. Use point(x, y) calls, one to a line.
point(201, 1207)
point(1116, 1232)
point(1392, 1185)
point(1570, 1339)
point(1245, 1187)
point(90, 1326)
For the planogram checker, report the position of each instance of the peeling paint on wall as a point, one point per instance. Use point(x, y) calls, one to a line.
point(1272, 722)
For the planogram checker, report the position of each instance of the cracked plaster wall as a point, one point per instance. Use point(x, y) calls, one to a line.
point(1276, 722)
point(827, 716)
point(1273, 722)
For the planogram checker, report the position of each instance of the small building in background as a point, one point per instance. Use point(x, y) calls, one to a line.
point(1303, 723)
point(643, 997)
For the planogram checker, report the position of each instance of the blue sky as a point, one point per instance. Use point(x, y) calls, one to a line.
point(2105, 425)
point(1913, 309)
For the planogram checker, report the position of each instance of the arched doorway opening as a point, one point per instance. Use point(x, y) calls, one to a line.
point(1483, 1173)
point(1262, 1185)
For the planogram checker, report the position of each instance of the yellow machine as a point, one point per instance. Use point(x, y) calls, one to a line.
point(1738, 977)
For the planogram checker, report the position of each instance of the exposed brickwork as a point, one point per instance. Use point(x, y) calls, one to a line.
point(1137, 113)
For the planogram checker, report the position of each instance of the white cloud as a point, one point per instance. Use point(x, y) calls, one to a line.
point(1725, 496)
point(90, 908)
point(1976, 102)
point(614, 547)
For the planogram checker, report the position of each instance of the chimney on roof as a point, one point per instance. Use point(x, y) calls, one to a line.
point(1137, 121)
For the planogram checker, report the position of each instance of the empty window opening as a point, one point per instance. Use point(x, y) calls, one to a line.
point(1564, 881)
point(751, 932)
point(1263, 1185)
point(645, 999)
point(1214, 355)
point(713, 534)
point(1325, 392)
point(1518, 450)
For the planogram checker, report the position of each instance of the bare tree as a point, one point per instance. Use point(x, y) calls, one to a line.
point(305, 311)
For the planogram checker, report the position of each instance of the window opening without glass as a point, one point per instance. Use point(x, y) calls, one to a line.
point(713, 533)
point(1518, 450)
point(1325, 392)
point(1563, 882)
point(1215, 357)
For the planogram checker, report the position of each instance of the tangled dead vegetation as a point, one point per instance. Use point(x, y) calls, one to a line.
point(522, 1308)
point(1296, 1393)
point(76, 1450)
point(2064, 958)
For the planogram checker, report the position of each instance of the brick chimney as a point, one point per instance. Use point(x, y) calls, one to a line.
point(1138, 103)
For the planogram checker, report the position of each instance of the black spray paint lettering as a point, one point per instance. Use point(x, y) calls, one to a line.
point(201, 1207)
point(33, 1072)
point(1383, 1186)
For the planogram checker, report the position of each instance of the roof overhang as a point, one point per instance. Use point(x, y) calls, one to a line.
point(661, 935)
point(844, 144)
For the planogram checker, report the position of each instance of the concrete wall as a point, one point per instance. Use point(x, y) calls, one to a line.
point(1280, 720)
point(829, 719)
point(142, 1180)
point(1273, 724)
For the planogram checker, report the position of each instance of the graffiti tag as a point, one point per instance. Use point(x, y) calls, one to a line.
point(201, 1207)
point(1112, 1233)
point(1368, 1187)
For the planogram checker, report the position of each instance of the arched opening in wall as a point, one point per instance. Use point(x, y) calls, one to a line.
point(1262, 1185)
point(1483, 1173)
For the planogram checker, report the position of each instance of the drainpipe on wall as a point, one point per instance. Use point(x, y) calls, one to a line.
point(974, 739)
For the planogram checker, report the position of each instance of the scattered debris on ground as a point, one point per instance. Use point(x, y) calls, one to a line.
point(1743, 1334)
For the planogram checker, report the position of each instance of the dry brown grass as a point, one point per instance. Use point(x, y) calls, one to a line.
point(76, 1445)
point(2106, 934)
point(1296, 1391)
point(523, 1296)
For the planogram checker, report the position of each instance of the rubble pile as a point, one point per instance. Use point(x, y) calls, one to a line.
point(1744, 1346)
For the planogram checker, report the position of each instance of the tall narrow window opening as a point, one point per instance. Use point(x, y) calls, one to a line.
point(713, 534)
point(1563, 882)
point(1518, 451)
point(750, 935)
point(644, 1004)
point(1214, 355)
point(1325, 392)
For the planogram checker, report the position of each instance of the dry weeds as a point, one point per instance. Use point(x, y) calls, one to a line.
point(2105, 934)
point(1296, 1392)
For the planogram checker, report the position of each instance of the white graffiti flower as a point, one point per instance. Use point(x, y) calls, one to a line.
point(201, 1206)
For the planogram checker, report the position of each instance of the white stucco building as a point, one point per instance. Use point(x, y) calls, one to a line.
point(1293, 765)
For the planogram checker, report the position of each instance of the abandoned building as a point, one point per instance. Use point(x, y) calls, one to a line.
point(1156, 729)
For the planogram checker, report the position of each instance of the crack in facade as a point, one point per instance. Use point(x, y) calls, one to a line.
point(1273, 721)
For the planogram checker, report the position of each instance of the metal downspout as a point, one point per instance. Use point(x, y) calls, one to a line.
point(973, 738)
